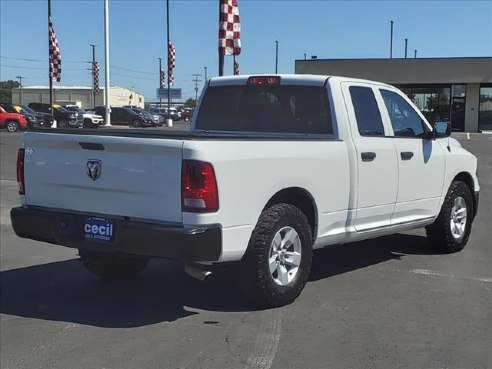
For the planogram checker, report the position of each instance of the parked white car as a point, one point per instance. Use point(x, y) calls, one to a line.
point(274, 167)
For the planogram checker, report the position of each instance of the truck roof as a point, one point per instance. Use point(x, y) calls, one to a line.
point(289, 79)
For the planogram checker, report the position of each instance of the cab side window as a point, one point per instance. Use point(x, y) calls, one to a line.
point(367, 112)
point(404, 119)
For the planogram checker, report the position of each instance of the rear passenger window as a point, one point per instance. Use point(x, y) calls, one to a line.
point(266, 108)
point(367, 112)
point(404, 119)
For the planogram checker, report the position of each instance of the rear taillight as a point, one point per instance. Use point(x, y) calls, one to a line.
point(263, 80)
point(20, 171)
point(199, 192)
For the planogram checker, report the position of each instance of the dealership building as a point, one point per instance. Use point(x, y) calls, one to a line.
point(81, 96)
point(454, 89)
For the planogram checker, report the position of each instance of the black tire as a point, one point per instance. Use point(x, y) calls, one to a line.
point(136, 123)
point(112, 266)
point(440, 233)
point(255, 272)
point(63, 124)
point(12, 126)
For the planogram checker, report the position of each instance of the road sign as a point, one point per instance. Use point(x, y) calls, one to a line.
point(174, 92)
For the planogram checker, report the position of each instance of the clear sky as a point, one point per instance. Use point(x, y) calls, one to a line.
point(328, 29)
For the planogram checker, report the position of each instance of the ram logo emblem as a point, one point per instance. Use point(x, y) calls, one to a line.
point(94, 169)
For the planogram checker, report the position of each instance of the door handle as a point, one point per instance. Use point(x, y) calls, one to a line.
point(368, 156)
point(406, 155)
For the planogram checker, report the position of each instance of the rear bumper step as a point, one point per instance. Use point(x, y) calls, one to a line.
point(202, 243)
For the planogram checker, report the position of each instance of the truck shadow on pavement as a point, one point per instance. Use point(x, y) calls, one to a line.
point(64, 291)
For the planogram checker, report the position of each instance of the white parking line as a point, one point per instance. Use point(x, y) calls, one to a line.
point(439, 274)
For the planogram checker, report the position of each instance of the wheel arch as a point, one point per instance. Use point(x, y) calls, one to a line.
point(300, 198)
point(467, 178)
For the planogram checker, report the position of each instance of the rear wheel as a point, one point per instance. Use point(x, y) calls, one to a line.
point(277, 263)
point(12, 126)
point(112, 266)
point(451, 230)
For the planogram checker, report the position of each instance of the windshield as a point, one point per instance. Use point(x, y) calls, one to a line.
point(276, 109)
point(25, 109)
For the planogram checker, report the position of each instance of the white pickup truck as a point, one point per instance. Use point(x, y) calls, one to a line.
point(274, 167)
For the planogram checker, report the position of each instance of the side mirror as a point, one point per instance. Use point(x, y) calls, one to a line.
point(442, 129)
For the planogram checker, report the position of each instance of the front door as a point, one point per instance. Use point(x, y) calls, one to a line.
point(421, 162)
point(377, 167)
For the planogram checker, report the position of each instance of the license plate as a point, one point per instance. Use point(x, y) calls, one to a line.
point(98, 229)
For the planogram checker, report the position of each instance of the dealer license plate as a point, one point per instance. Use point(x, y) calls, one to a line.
point(98, 229)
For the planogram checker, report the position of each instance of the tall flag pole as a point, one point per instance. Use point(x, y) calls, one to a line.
point(236, 66)
point(54, 56)
point(229, 31)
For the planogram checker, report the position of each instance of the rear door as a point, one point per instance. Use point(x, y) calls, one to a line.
point(115, 176)
point(377, 167)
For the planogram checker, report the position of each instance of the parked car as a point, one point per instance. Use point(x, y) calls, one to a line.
point(32, 120)
point(172, 114)
point(187, 114)
point(156, 119)
point(12, 122)
point(90, 120)
point(124, 116)
point(44, 120)
point(64, 118)
point(274, 167)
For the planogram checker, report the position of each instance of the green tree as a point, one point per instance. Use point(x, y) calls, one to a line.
point(190, 103)
point(6, 91)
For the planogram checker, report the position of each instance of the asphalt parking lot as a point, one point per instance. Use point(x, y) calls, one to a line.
point(392, 303)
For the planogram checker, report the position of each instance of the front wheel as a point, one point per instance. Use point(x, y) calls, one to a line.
point(111, 266)
point(136, 123)
point(12, 126)
point(63, 124)
point(277, 263)
point(451, 230)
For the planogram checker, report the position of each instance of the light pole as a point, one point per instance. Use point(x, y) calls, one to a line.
point(415, 53)
point(160, 81)
point(205, 74)
point(107, 114)
point(93, 75)
point(391, 41)
point(276, 57)
point(20, 87)
point(406, 44)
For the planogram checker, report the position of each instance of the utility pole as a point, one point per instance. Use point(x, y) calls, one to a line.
point(206, 79)
point(276, 57)
point(415, 53)
point(391, 41)
point(160, 81)
point(20, 87)
point(196, 80)
point(305, 56)
point(406, 44)
point(93, 75)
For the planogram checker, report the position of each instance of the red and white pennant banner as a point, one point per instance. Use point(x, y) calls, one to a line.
point(229, 28)
point(55, 55)
point(172, 62)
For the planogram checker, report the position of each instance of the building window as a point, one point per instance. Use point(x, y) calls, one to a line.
point(485, 111)
point(439, 102)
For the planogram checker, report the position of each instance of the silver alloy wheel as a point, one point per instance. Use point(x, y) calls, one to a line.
point(12, 126)
point(285, 256)
point(458, 218)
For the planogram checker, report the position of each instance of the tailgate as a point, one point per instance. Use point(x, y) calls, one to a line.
point(123, 176)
